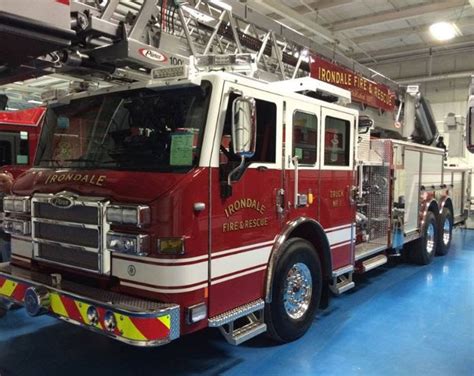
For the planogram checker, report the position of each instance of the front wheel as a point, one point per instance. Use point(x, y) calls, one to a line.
point(445, 228)
point(296, 291)
point(425, 249)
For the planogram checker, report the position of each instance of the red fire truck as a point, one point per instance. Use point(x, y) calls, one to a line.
point(208, 198)
point(19, 133)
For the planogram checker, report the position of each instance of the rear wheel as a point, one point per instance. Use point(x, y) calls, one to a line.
point(445, 230)
point(424, 249)
point(296, 291)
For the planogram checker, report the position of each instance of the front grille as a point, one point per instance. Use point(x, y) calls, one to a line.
point(80, 214)
point(70, 236)
point(69, 256)
point(85, 237)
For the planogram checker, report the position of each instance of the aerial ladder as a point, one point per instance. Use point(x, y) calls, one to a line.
point(123, 40)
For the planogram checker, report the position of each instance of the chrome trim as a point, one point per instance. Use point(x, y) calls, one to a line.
point(345, 269)
point(65, 223)
point(102, 227)
point(236, 313)
point(66, 245)
point(297, 291)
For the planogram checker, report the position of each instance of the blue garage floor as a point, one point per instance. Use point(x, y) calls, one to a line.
point(399, 320)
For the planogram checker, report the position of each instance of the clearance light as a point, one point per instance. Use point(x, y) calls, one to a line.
point(196, 313)
point(443, 31)
point(170, 246)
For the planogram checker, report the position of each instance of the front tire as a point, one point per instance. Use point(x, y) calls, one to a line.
point(445, 231)
point(425, 249)
point(296, 291)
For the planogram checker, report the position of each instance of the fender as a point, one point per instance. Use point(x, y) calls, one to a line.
point(428, 204)
point(306, 228)
point(445, 202)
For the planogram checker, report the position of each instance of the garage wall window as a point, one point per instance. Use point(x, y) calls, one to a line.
point(305, 137)
point(336, 142)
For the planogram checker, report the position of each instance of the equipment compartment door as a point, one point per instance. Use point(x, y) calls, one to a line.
point(244, 225)
point(337, 209)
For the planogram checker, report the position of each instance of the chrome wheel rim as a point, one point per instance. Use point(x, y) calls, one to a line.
point(430, 238)
point(446, 231)
point(297, 291)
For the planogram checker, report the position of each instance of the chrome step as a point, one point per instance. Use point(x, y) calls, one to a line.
point(341, 283)
point(373, 262)
point(245, 333)
point(236, 313)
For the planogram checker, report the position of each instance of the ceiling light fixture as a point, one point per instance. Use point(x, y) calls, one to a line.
point(443, 31)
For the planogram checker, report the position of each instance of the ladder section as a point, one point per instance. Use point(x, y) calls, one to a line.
point(152, 33)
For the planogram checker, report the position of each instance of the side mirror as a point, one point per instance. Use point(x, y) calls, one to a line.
point(244, 126)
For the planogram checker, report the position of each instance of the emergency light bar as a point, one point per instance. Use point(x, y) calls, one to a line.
point(245, 63)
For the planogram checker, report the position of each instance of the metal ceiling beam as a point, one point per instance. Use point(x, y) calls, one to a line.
point(290, 14)
point(322, 5)
point(394, 15)
point(438, 77)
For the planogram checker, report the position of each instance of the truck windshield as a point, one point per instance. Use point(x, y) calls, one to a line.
point(145, 129)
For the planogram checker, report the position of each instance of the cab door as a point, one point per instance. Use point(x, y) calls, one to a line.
point(303, 122)
point(244, 223)
point(337, 209)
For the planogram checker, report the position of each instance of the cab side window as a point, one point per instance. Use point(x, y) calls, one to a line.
point(337, 142)
point(305, 137)
point(265, 151)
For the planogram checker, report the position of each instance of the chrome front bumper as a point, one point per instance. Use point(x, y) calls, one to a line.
point(138, 322)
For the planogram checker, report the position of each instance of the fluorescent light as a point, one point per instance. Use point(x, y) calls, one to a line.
point(35, 101)
point(221, 4)
point(444, 31)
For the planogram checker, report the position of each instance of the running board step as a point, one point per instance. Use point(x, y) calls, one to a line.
point(237, 336)
point(236, 313)
point(373, 262)
point(242, 323)
point(342, 283)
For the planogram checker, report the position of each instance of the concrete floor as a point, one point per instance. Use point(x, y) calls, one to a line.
point(399, 320)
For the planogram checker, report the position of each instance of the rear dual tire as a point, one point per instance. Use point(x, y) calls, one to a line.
point(445, 230)
point(424, 249)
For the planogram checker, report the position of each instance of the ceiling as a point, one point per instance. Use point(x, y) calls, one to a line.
point(376, 33)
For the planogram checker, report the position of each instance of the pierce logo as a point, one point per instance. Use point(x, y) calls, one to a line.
point(153, 55)
point(61, 202)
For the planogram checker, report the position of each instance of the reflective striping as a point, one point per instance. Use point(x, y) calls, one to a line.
point(82, 308)
point(339, 236)
point(57, 305)
point(139, 327)
point(128, 329)
point(239, 262)
point(166, 321)
point(8, 288)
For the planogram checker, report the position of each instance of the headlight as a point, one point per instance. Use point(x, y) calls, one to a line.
point(129, 215)
point(16, 226)
point(125, 243)
point(17, 204)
